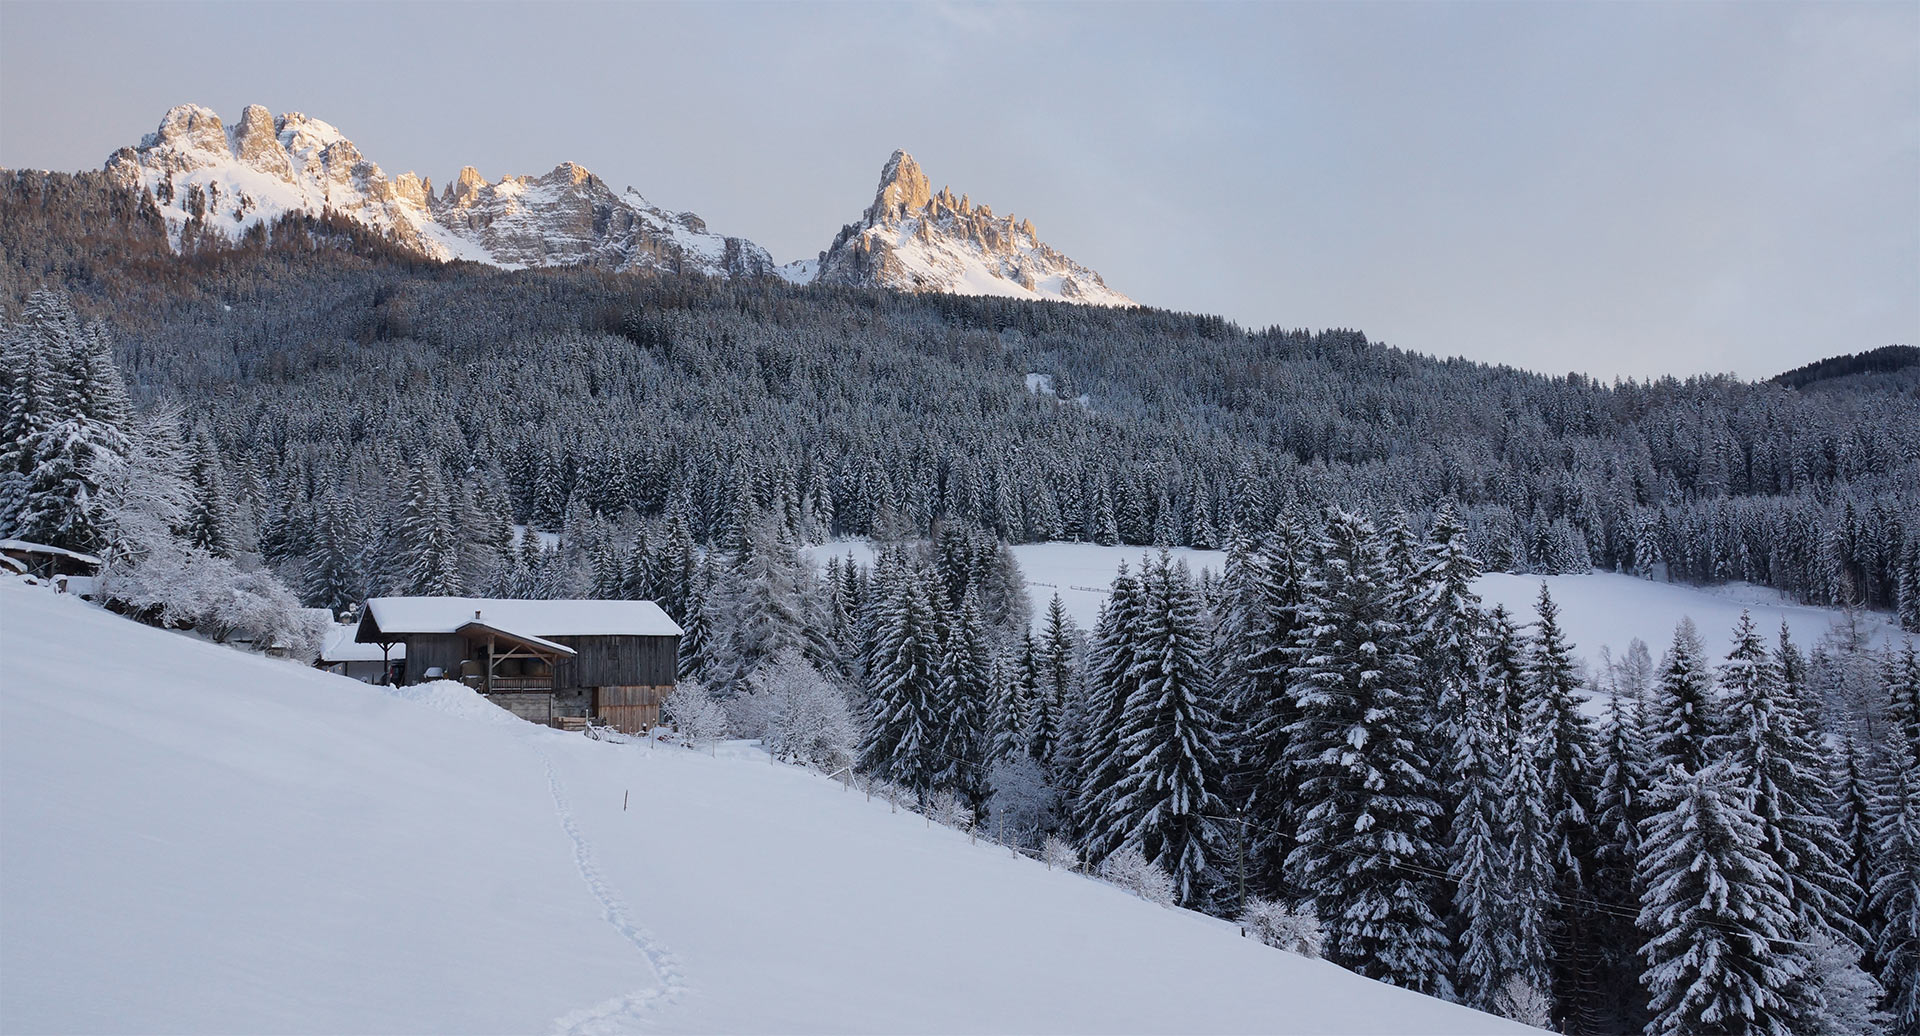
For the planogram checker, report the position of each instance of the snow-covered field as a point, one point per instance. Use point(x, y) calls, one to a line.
point(197, 840)
point(1601, 609)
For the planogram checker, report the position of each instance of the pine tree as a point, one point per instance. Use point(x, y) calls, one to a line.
point(334, 578)
point(905, 739)
point(1479, 865)
point(1532, 846)
point(1109, 686)
point(210, 518)
point(1017, 686)
point(1619, 807)
point(1715, 910)
point(1776, 749)
point(1560, 740)
point(1168, 802)
point(1054, 661)
point(1895, 898)
point(1686, 717)
point(964, 703)
point(1272, 795)
point(431, 555)
point(1366, 832)
point(1903, 696)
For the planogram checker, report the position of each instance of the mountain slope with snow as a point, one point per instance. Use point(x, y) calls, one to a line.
point(912, 239)
point(247, 845)
point(208, 177)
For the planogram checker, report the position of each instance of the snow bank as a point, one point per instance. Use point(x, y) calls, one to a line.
point(200, 840)
point(455, 699)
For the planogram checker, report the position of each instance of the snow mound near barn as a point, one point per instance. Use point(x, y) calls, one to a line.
point(193, 839)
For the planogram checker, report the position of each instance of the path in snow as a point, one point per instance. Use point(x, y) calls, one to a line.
point(622, 1012)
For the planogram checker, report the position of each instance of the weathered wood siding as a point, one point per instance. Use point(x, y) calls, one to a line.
point(629, 709)
point(426, 650)
point(619, 662)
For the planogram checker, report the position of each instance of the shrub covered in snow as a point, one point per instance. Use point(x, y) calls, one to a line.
point(1130, 870)
point(692, 712)
point(946, 808)
point(806, 718)
point(1296, 931)
point(1521, 1001)
point(188, 588)
point(1060, 854)
point(1023, 801)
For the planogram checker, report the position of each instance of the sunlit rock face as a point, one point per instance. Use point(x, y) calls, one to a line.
point(913, 239)
point(212, 179)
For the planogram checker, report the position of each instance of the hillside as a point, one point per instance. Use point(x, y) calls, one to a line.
point(244, 844)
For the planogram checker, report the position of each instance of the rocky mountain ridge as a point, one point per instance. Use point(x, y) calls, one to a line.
point(211, 178)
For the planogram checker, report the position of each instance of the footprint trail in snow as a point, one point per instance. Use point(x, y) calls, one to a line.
point(627, 1012)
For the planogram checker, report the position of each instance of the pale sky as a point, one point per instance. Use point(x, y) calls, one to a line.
point(1616, 188)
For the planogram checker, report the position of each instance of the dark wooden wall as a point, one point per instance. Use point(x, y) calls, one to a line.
point(619, 662)
point(426, 650)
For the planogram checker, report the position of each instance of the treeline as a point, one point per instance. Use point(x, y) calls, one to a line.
point(323, 363)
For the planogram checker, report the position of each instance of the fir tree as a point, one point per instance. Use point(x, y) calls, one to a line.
point(1719, 925)
point(1272, 795)
point(1366, 829)
point(1686, 717)
point(1168, 802)
point(964, 702)
point(1109, 687)
point(210, 518)
point(905, 739)
point(431, 555)
point(1895, 898)
point(1479, 860)
point(1054, 676)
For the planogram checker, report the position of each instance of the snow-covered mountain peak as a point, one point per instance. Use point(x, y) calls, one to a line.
point(209, 178)
point(913, 239)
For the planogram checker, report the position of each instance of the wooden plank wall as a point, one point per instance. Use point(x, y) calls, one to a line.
point(619, 661)
point(629, 708)
point(425, 651)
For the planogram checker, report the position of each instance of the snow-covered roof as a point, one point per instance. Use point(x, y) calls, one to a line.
point(26, 547)
point(472, 630)
point(529, 618)
point(341, 647)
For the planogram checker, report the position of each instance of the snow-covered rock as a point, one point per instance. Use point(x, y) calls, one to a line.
point(912, 239)
point(224, 180)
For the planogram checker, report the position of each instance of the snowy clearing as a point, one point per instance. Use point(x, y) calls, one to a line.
point(1601, 609)
point(199, 840)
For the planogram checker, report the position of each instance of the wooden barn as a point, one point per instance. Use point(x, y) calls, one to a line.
point(562, 663)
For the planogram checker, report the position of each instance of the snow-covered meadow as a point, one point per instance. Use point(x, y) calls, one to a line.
point(1599, 609)
point(200, 840)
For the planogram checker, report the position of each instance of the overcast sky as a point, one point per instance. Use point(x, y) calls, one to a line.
point(1617, 188)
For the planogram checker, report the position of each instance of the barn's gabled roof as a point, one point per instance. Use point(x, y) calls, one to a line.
point(395, 617)
point(26, 547)
point(341, 646)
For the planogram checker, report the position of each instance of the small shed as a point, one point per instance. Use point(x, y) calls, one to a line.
point(39, 559)
point(368, 663)
point(553, 662)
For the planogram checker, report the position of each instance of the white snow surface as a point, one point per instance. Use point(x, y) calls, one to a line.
point(532, 618)
point(1600, 609)
point(200, 840)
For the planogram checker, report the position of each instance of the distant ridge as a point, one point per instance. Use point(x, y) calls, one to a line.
point(1886, 359)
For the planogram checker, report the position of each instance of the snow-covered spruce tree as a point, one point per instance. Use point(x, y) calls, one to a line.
point(1168, 802)
point(1366, 827)
point(144, 496)
point(1894, 902)
point(1535, 878)
point(1720, 930)
point(1013, 700)
point(210, 519)
point(430, 553)
point(1506, 669)
point(1619, 806)
point(333, 574)
point(1238, 617)
point(1560, 740)
point(1053, 680)
point(1777, 751)
point(965, 702)
point(1685, 715)
point(1450, 615)
point(66, 419)
point(1902, 680)
point(1109, 686)
point(1478, 863)
point(904, 730)
point(1272, 794)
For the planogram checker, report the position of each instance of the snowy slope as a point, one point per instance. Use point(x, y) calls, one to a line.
point(1601, 609)
point(197, 840)
point(912, 239)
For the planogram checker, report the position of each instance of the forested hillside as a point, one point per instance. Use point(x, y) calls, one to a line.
point(340, 391)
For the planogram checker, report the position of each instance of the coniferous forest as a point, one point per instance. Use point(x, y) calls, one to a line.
point(1330, 738)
